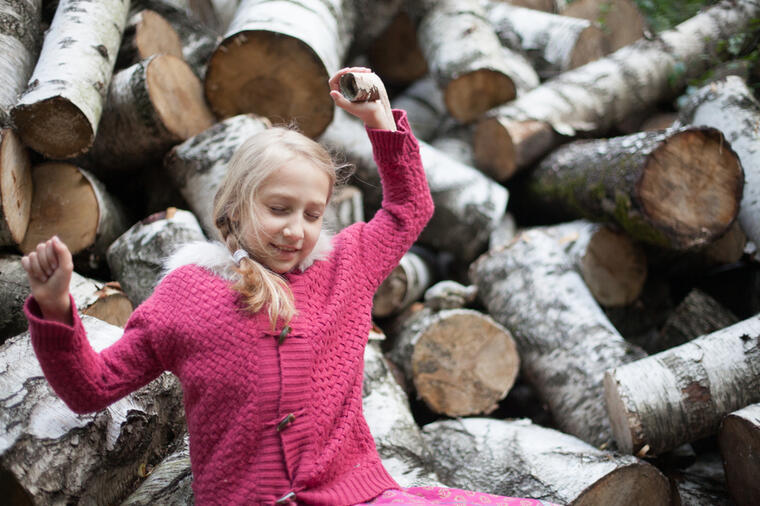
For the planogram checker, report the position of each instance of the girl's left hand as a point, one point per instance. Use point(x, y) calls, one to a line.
point(374, 114)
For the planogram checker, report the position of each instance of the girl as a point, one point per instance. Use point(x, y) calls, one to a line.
point(266, 331)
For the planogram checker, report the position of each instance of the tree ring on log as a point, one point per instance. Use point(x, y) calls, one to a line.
point(469, 95)
point(683, 163)
point(273, 75)
point(494, 149)
point(633, 484)
point(35, 122)
point(65, 204)
point(15, 186)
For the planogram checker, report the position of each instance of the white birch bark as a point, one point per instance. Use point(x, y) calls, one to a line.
point(679, 395)
point(59, 112)
point(57, 457)
point(20, 40)
point(730, 106)
point(425, 110)
point(565, 341)
point(520, 459)
point(739, 439)
point(15, 188)
point(404, 285)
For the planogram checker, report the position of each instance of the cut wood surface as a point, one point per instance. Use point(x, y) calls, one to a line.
point(51, 455)
point(404, 285)
point(467, 60)
point(15, 189)
point(460, 361)
point(160, 103)
point(620, 21)
point(396, 54)
point(198, 165)
point(565, 341)
point(520, 459)
point(88, 227)
point(276, 59)
point(136, 257)
point(681, 394)
point(147, 33)
point(677, 189)
point(739, 440)
point(20, 37)
point(59, 112)
point(593, 98)
point(730, 106)
point(468, 204)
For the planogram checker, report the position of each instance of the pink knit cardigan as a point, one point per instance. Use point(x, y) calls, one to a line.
point(259, 406)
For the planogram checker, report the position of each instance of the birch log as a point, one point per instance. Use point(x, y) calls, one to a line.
point(159, 102)
point(520, 459)
point(467, 60)
point(59, 112)
point(460, 361)
point(701, 484)
point(678, 189)
point(136, 257)
point(15, 189)
point(468, 204)
point(88, 227)
point(595, 97)
point(565, 341)
point(198, 165)
point(20, 39)
point(739, 440)
point(552, 43)
point(404, 285)
point(425, 110)
point(169, 482)
point(620, 20)
point(681, 394)
point(147, 33)
point(276, 59)
point(396, 54)
point(730, 106)
point(53, 456)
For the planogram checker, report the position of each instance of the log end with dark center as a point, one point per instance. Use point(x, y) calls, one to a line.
point(54, 127)
point(631, 485)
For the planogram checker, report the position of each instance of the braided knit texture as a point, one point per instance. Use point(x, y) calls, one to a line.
point(239, 382)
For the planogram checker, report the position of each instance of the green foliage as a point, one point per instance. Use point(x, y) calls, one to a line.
point(665, 14)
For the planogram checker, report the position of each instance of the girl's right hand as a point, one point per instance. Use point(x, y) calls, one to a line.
point(49, 270)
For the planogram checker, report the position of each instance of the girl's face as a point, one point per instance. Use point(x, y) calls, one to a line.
point(289, 205)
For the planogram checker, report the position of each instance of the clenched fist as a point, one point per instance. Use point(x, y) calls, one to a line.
point(49, 269)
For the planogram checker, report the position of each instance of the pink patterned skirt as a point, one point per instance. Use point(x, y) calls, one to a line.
point(441, 495)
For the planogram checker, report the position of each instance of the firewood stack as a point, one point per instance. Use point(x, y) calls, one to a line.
point(579, 322)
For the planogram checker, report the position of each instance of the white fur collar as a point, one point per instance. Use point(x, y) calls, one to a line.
point(215, 257)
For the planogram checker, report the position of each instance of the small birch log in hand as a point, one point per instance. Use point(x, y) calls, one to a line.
point(360, 86)
point(739, 440)
point(20, 36)
point(679, 395)
point(15, 188)
point(520, 459)
point(50, 455)
point(675, 189)
point(59, 112)
point(565, 341)
point(147, 33)
point(460, 361)
point(198, 165)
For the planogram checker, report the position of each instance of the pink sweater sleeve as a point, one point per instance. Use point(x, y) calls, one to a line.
point(88, 381)
point(407, 205)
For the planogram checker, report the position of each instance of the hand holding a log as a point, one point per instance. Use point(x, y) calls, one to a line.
point(361, 93)
point(49, 268)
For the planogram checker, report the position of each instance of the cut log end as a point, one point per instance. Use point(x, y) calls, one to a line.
point(588, 47)
point(630, 485)
point(614, 268)
point(494, 150)
point(177, 95)
point(113, 306)
point(73, 132)
point(56, 187)
point(470, 95)
point(691, 187)
point(15, 186)
point(739, 441)
point(618, 414)
point(287, 83)
point(154, 35)
point(396, 54)
point(464, 364)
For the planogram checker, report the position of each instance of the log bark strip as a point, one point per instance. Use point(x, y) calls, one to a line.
point(160, 102)
point(58, 114)
point(565, 341)
point(55, 456)
point(674, 189)
point(20, 38)
point(15, 189)
point(276, 59)
point(739, 440)
point(404, 285)
point(460, 361)
point(595, 97)
point(679, 395)
point(147, 33)
point(520, 459)
point(198, 165)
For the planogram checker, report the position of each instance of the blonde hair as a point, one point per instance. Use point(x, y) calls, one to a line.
point(259, 156)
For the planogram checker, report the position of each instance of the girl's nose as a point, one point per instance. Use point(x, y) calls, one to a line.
point(293, 232)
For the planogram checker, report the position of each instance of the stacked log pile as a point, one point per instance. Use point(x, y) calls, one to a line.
point(591, 271)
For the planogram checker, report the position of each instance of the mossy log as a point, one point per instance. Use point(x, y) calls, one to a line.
point(739, 440)
point(16, 189)
point(675, 189)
